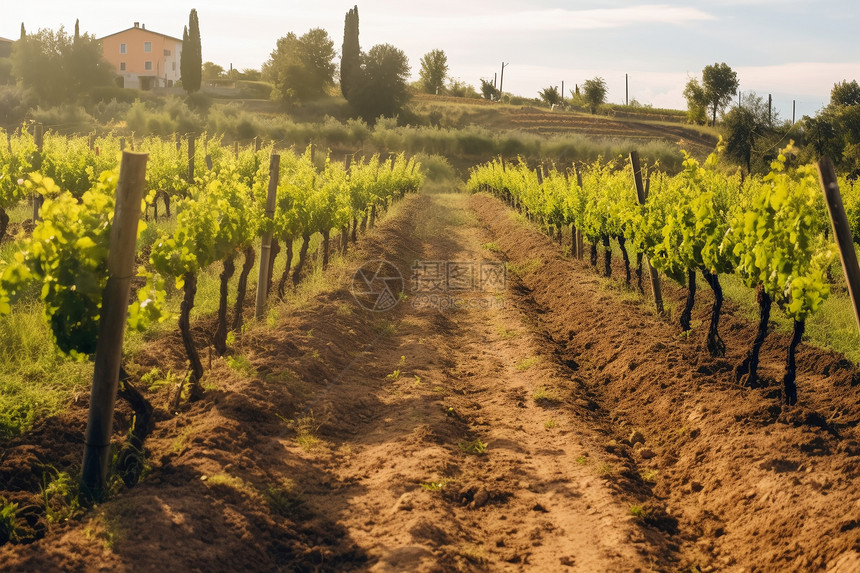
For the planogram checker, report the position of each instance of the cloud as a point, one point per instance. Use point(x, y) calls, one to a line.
point(526, 21)
point(559, 19)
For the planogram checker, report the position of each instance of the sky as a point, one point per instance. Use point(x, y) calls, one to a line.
point(794, 50)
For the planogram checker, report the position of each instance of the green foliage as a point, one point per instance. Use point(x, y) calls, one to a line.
point(550, 95)
point(476, 447)
point(12, 527)
point(489, 91)
point(56, 68)
point(751, 134)
point(697, 104)
point(434, 71)
point(594, 93)
point(719, 84)
point(66, 258)
point(769, 230)
point(382, 88)
point(301, 68)
point(212, 71)
point(779, 243)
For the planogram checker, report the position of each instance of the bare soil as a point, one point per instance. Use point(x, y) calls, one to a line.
point(549, 423)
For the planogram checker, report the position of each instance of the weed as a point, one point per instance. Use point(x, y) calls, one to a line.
point(648, 475)
point(417, 380)
point(393, 376)
point(436, 485)
point(507, 334)
point(306, 428)
point(60, 496)
point(550, 424)
point(387, 329)
point(492, 247)
point(525, 268)
point(639, 512)
point(476, 447)
point(233, 482)
point(544, 395)
point(10, 523)
point(582, 460)
point(284, 498)
point(154, 380)
point(241, 364)
point(524, 365)
point(605, 469)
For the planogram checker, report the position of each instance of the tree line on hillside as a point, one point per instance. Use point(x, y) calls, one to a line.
point(54, 68)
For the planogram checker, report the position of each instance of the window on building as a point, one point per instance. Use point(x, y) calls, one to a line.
point(147, 65)
point(122, 49)
point(122, 66)
point(166, 53)
point(174, 66)
point(147, 47)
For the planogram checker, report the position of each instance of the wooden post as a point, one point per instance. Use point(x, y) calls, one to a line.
point(190, 159)
point(256, 144)
point(39, 139)
point(178, 141)
point(236, 149)
point(841, 231)
point(266, 245)
point(642, 195)
point(580, 252)
point(122, 144)
point(108, 357)
point(208, 162)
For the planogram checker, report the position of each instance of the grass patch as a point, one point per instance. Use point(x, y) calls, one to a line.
point(545, 396)
point(550, 424)
point(36, 380)
point(524, 269)
point(241, 364)
point(507, 334)
point(476, 447)
point(527, 363)
point(649, 475)
point(436, 485)
point(639, 512)
point(492, 247)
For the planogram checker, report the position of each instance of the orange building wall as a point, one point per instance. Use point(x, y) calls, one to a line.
point(164, 68)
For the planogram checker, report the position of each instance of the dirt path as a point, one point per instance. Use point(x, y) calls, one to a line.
point(540, 420)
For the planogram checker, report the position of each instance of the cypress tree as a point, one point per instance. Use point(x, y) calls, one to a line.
point(77, 31)
point(191, 60)
point(350, 61)
point(23, 31)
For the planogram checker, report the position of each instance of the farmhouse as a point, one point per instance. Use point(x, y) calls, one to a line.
point(143, 59)
point(5, 48)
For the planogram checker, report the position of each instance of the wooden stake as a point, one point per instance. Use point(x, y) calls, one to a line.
point(190, 160)
point(108, 357)
point(266, 246)
point(580, 252)
point(39, 139)
point(642, 195)
point(841, 231)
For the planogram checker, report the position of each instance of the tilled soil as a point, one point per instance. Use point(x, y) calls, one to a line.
point(541, 420)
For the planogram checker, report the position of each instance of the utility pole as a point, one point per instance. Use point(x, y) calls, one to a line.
point(793, 110)
point(562, 92)
point(626, 91)
point(502, 80)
